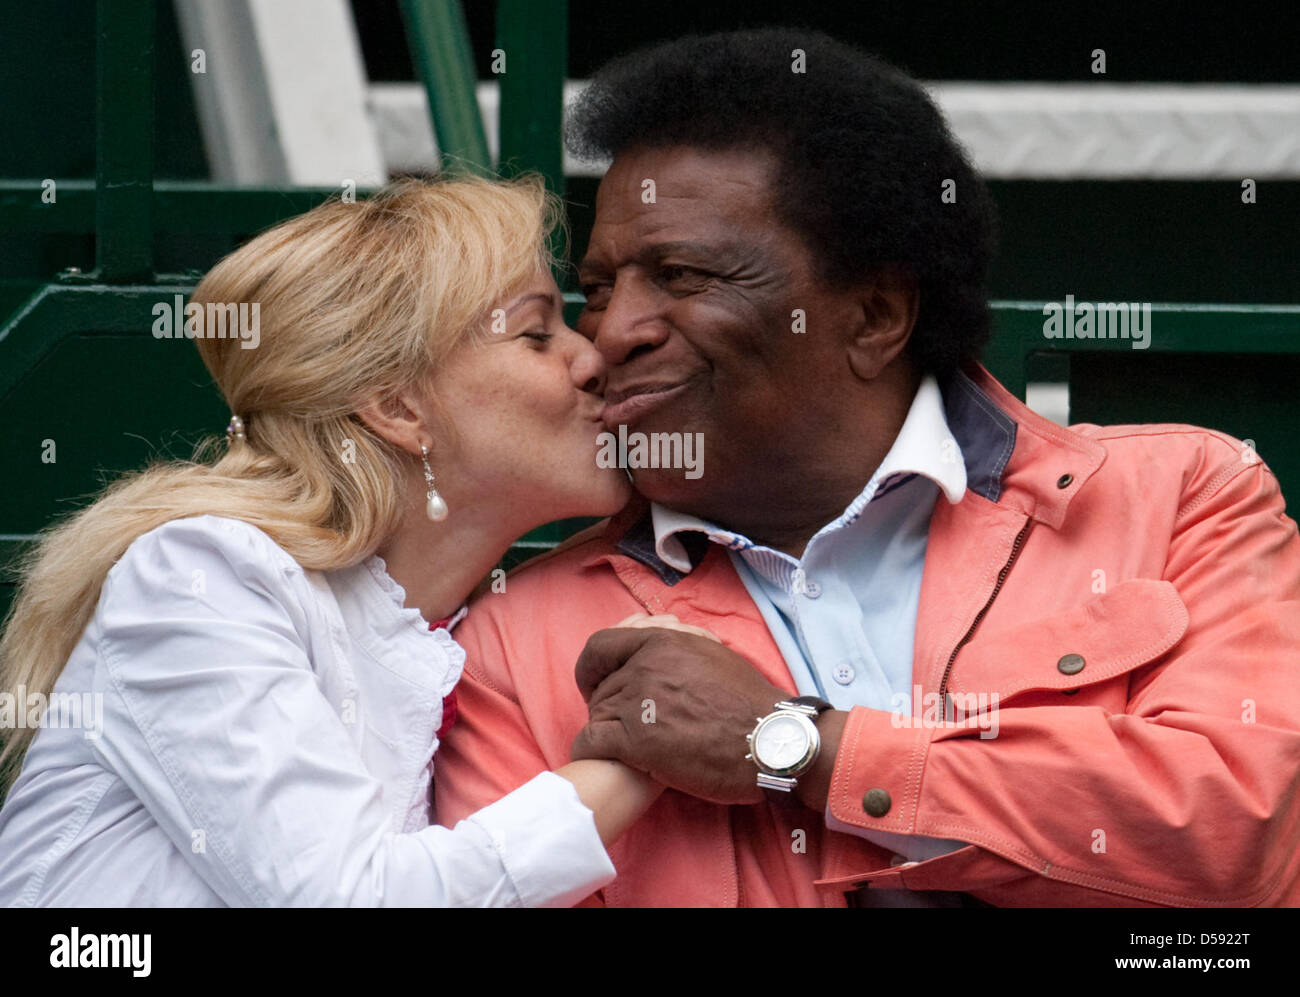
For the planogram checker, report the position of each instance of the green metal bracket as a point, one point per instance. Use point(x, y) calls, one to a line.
point(58, 312)
point(1175, 328)
point(1232, 368)
point(439, 41)
point(62, 331)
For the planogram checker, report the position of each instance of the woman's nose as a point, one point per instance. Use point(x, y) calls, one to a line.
point(588, 365)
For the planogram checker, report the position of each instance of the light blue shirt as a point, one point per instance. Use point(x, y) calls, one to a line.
point(844, 615)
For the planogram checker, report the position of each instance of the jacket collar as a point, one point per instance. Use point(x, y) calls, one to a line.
point(923, 447)
point(1046, 464)
point(1013, 456)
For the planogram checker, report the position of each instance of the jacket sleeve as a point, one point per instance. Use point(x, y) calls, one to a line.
point(214, 718)
point(1186, 797)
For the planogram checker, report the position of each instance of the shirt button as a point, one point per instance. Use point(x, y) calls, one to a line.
point(843, 674)
point(803, 585)
point(876, 802)
point(1070, 664)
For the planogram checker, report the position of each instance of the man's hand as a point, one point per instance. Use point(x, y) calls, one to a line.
point(675, 705)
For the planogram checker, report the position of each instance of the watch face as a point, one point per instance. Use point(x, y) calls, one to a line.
point(781, 743)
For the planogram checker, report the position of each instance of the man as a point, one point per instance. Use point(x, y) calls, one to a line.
point(1029, 665)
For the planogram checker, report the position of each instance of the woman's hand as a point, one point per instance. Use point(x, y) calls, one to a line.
point(615, 793)
point(668, 622)
point(674, 706)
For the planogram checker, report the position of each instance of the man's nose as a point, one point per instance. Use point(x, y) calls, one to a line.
point(631, 322)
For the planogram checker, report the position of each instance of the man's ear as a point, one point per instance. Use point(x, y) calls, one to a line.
point(888, 314)
point(397, 419)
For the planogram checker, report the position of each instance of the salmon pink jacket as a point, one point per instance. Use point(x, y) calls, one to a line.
point(1164, 771)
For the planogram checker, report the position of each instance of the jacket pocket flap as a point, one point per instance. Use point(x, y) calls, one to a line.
point(1133, 623)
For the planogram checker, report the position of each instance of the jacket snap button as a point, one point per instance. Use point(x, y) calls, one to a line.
point(876, 802)
point(1070, 664)
point(1064, 480)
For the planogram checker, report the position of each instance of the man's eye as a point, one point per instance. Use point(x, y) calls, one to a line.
point(681, 274)
point(595, 294)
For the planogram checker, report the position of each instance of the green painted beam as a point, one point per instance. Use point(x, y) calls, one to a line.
point(1175, 328)
point(57, 310)
point(1229, 367)
point(439, 41)
point(124, 140)
point(533, 39)
point(183, 206)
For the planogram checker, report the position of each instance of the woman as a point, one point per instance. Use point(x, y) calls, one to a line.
point(249, 636)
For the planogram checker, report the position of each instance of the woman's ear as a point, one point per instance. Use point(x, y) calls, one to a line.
point(398, 419)
point(889, 305)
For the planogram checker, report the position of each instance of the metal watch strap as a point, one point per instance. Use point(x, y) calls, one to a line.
point(809, 706)
point(777, 782)
point(813, 706)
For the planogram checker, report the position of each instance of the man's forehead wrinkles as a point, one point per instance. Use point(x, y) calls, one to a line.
point(708, 198)
point(623, 238)
point(645, 249)
point(632, 209)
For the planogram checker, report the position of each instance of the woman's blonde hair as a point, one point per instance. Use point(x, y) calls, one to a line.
point(356, 301)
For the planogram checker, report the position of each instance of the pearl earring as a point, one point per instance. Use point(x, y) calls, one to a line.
point(436, 509)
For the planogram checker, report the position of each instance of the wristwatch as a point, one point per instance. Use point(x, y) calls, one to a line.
point(785, 744)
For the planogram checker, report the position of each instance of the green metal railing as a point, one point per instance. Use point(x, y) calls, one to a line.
point(124, 142)
point(533, 38)
point(529, 64)
point(79, 367)
point(1197, 329)
point(439, 42)
point(85, 390)
point(1233, 368)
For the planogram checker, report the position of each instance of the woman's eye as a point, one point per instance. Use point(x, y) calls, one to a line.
point(538, 336)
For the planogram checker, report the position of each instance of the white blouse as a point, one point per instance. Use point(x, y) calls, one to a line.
point(251, 733)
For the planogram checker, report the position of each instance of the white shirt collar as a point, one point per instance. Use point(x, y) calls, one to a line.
point(924, 445)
